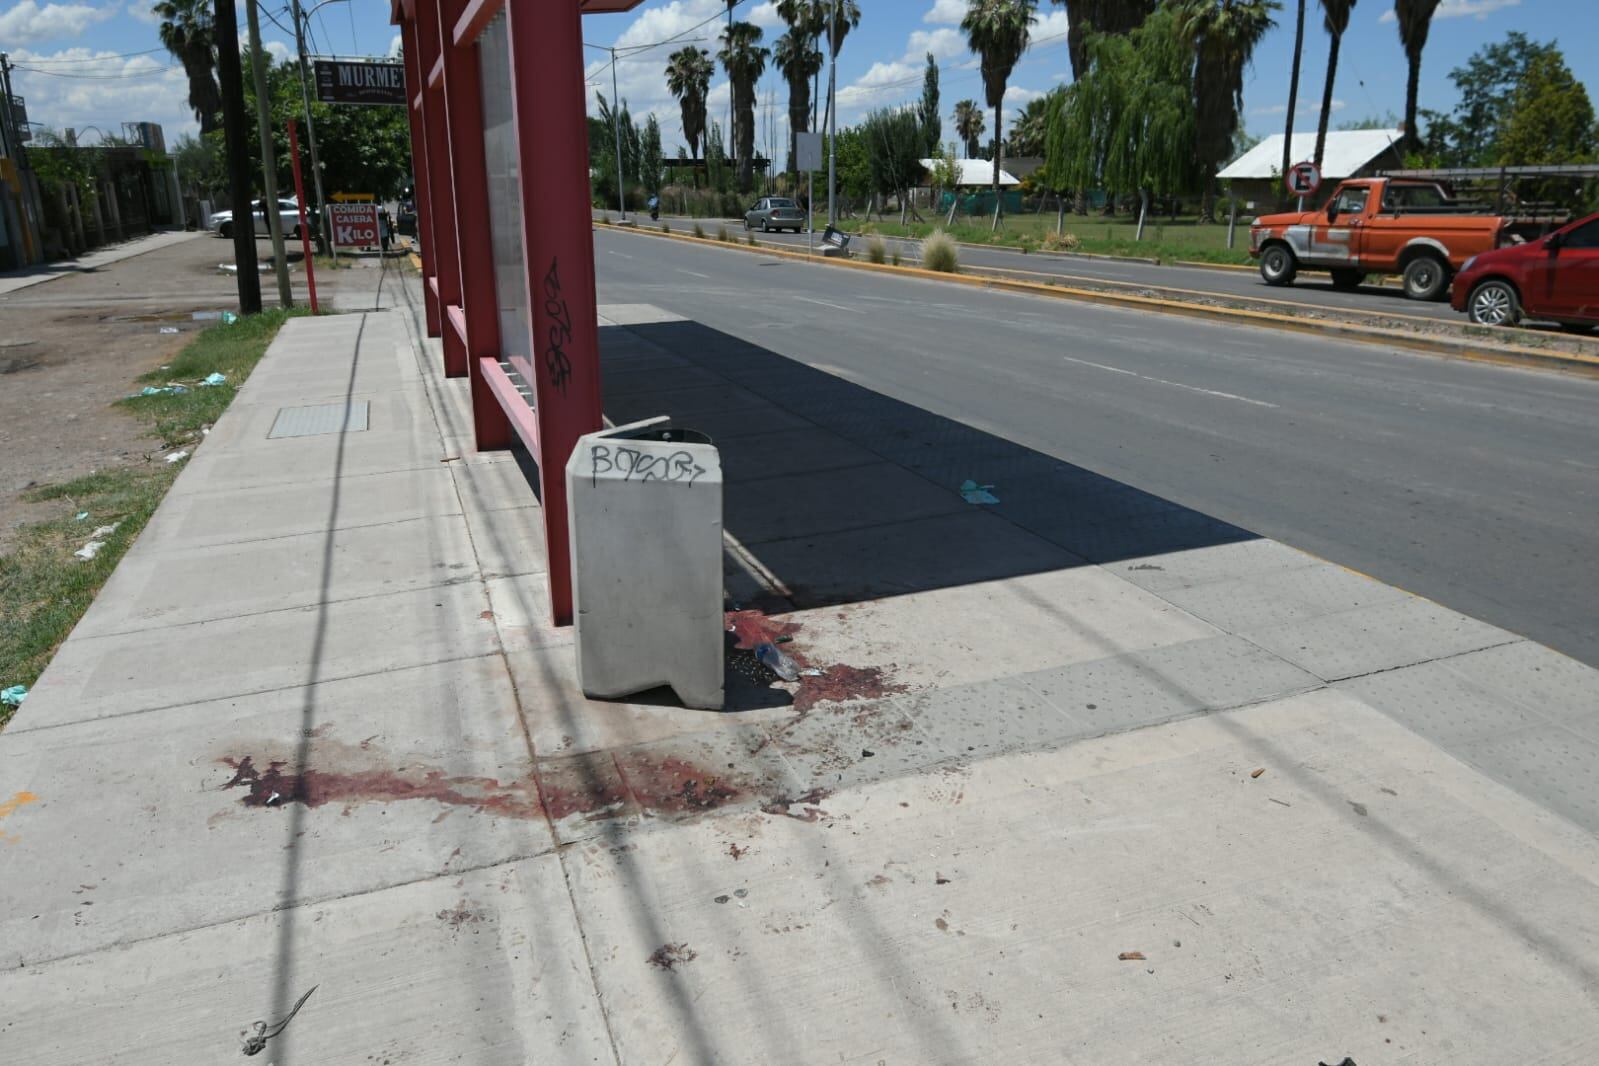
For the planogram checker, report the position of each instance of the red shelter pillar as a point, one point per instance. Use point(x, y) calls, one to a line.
point(446, 280)
point(478, 321)
point(419, 166)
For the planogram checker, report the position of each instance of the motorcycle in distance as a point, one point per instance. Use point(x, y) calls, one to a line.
point(655, 208)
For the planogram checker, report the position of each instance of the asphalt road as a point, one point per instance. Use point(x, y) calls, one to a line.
point(1474, 485)
point(1311, 290)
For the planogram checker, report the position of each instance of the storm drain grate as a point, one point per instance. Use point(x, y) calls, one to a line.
point(320, 418)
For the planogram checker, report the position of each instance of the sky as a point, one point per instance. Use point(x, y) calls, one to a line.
point(95, 78)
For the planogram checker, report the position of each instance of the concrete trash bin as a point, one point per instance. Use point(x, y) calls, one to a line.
point(645, 517)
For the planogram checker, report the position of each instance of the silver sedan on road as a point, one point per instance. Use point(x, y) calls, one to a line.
point(775, 212)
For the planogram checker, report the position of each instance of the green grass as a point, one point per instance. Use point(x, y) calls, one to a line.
point(231, 350)
point(1183, 240)
point(44, 589)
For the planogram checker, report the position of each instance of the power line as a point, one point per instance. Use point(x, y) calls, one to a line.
point(98, 77)
point(96, 59)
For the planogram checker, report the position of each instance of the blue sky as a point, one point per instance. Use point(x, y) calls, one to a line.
point(881, 64)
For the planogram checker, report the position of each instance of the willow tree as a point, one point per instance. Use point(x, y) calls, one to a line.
point(1128, 122)
point(1086, 17)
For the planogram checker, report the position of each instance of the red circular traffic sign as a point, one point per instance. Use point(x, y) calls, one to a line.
point(1303, 179)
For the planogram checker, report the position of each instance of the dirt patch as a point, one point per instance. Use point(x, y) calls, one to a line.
point(74, 345)
point(839, 683)
point(276, 787)
point(669, 957)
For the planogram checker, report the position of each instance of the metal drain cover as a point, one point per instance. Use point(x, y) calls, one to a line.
point(320, 418)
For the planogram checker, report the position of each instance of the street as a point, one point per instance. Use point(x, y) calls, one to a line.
point(1470, 485)
point(1313, 289)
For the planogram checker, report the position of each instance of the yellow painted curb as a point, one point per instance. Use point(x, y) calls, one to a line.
point(1458, 348)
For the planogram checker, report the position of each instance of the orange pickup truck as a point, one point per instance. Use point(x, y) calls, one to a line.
point(1377, 226)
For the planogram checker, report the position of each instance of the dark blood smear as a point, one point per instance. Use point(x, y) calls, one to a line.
point(839, 683)
point(751, 629)
point(273, 787)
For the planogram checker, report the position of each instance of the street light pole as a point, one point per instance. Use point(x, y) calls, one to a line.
point(832, 115)
point(616, 127)
point(269, 164)
point(310, 129)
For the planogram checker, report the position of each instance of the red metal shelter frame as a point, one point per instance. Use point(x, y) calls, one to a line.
point(443, 81)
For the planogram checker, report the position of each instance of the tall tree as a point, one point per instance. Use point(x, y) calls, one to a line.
point(998, 31)
point(808, 18)
point(1293, 90)
point(932, 120)
point(799, 60)
point(1335, 16)
point(894, 152)
point(1415, 22)
point(1031, 127)
point(688, 77)
point(650, 154)
point(1099, 16)
point(969, 126)
point(1487, 82)
point(186, 32)
point(745, 61)
point(1551, 119)
point(1225, 34)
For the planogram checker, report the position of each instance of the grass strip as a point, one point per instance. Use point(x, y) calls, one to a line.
point(44, 588)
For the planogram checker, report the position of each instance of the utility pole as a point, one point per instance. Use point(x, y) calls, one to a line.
point(832, 115)
point(231, 82)
point(616, 127)
point(310, 132)
point(269, 163)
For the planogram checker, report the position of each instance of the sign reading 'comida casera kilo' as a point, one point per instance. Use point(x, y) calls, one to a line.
point(340, 81)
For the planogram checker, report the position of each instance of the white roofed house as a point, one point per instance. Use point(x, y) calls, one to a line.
point(1256, 176)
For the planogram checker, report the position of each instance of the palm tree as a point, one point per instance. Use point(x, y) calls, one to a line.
point(1415, 20)
point(1293, 90)
point(186, 33)
point(688, 77)
point(969, 125)
point(745, 61)
point(798, 59)
point(838, 18)
point(1225, 34)
point(1336, 19)
point(998, 31)
point(1099, 16)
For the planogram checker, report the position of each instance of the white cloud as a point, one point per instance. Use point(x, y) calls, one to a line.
point(766, 17)
point(943, 43)
point(144, 11)
point(946, 12)
point(147, 88)
point(1454, 9)
point(1017, 96)
point(1311, 112)
point(395, 44)
point(28, 22)
point(1050, 27)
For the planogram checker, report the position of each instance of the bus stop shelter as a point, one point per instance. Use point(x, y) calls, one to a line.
point(499, 140)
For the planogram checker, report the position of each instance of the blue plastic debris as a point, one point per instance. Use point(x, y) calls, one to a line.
point(771, 657)
point(214, 379)
point(164, 390)
point(13, 696)
point(80, 516)
point(972, 492)
point(228, 318)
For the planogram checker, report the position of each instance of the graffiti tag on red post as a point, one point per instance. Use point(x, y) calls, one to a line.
point(556, 362)
point(355, 225)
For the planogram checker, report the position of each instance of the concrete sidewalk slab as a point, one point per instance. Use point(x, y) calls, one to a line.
point(1027, 743)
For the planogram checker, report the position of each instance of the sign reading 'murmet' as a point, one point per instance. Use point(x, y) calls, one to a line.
point(340, 81)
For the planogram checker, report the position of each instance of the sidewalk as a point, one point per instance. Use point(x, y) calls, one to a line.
point(12, 280)
point(315, 733)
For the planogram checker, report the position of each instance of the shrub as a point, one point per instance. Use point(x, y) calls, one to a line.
point(1061, 242)
point(723, 235)
point(750, 240)
point(876, 251)
point(939, 253)
point(666, 228)
point(893, 257)
point(699, 231)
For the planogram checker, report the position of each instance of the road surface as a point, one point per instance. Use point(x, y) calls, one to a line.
point(1474, 485)
point(1312, 290)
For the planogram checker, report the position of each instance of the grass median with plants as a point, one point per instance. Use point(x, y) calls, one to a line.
point(1182, 241)
point(44, 587)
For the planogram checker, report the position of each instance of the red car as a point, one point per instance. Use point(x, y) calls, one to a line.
point(1554, 278)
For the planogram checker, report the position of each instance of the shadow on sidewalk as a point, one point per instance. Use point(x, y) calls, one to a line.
point(844, 494)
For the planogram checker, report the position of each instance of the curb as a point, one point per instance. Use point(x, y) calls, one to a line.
point(1508, 355)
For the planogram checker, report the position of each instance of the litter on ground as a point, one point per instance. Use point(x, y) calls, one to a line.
point(177, 457)
point(972, 492)
point(13, 696)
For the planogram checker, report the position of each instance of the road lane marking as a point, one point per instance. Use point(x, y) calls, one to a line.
point(696, 273)
point(624, 255)
point(1173, 384)
point(836, 307)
